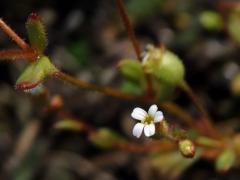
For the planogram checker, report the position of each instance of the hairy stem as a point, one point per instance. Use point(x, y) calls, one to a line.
point(18, 40)
point(13, 54)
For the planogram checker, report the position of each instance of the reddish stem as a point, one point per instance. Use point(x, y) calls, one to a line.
point(132, 37)
point(18, 40)
point(228, 5)
point(129, 28)
point(13, 54)
point(206, 120)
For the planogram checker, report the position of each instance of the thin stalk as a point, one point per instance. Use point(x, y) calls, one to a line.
point(228, 5)
point(199, 105)
point(13, 54)
point(85, 85)
point(129, 27)
point(184, 116)
point(18, 40)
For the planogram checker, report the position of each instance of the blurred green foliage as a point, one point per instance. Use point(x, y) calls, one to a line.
point(140, 10)
point(225, 160)
point(211, 20)
point(81, 51)
point(234, 25)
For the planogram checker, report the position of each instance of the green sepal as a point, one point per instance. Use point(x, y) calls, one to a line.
point(36, 33)
point(163, 91)
point(225, 160)
point(132, 70)
point(171, 163)
point(132, 88)
point(106, 138)
point(35, 73)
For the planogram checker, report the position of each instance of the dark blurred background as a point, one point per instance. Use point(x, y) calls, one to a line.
point(87, 39)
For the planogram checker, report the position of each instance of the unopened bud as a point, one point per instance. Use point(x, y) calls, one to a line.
point(36, 33)
point(35, 73)
point(164, 65)
point(56, 102)
point(187, 148)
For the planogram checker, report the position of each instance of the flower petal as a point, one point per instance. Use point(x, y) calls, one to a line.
point(137, 129)
point(158, 116)
point(139, 113)
point(149, 130)
point(152, 110)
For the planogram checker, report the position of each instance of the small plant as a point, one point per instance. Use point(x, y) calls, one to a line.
point(154, 77)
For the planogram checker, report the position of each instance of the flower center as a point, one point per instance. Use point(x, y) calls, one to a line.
point(147, 120)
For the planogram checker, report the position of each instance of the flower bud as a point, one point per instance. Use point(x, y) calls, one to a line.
point(164, 66)
point(56, 102)
point(36, 33)
point(225, 160)
point(132, 70)
point(187, 148)
point(35, 73)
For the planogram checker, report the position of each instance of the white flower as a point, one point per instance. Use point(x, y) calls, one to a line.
point(147, 120)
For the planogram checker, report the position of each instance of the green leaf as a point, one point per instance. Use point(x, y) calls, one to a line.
point(163, 91)
point(172, 164)
point(225, 160)
point(80, 50)
point(140, 10)
point(36, 33)
point(35, 73)
point(69, 124)
point(132, 88)
point(132, 71)
point(206, 141)
point(105, 138)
